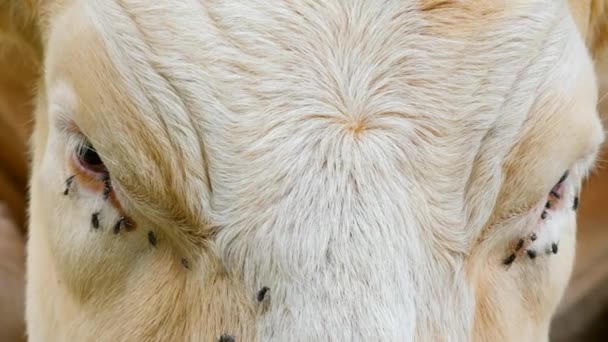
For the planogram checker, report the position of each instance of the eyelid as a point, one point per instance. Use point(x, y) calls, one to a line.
point(67, 126)
point(76, 142)
point(524, 212)
point(79, 168)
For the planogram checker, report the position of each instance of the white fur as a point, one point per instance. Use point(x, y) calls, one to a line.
point(352, 156)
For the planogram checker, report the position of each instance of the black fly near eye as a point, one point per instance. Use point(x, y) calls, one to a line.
point(509, 260)
point(95, 220)
point(107, 186)
point(118, 225)
point(520, 244)
point(152, 238)
point(262, 293)
point(68, 185)
point(122, 222)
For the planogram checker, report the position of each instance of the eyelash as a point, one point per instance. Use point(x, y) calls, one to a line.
point(518, 213)
point(78, 145)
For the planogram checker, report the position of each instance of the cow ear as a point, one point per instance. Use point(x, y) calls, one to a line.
point(20, 62)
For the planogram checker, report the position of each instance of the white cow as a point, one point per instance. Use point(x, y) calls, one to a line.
point(305, 170)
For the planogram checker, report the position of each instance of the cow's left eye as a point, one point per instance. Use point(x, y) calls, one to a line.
point(88, 158)
point(558, 188)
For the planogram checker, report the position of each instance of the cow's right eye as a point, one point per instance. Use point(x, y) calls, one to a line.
point(89, 160)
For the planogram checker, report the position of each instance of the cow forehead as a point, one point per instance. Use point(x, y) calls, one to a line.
point(336, 58)
point(228, 90)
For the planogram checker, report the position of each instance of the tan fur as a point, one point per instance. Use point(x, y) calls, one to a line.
point(375, 203)
point(12, 282)
point(19, 64)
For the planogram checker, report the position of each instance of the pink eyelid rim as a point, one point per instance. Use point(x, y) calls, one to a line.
point(80, 167)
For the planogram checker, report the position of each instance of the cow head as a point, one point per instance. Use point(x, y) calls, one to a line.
point(304, 170)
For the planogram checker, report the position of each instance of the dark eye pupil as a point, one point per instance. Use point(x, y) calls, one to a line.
point(89, 156)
